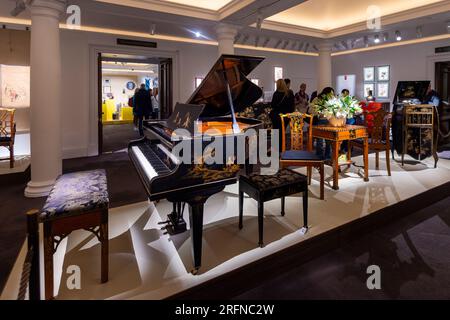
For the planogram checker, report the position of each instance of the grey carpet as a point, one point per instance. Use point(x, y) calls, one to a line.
point(116, 137)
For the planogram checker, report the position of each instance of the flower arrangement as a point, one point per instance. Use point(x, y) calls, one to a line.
point(330, 106)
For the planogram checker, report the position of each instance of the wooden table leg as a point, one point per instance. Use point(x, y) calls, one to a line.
point(335, 159)
point(366, 159)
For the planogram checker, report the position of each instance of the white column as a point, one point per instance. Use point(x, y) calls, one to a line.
point(325, 71)
point(45, 60)
point(225, 36)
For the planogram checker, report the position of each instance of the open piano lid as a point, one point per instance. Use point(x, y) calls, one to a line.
point(409, 90)
point(212, 92)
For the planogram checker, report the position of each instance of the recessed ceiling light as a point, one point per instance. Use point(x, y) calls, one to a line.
point(198, 34)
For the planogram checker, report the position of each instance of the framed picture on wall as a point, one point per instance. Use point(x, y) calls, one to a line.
point(369, 89)
point(383, 73)
point(106, 89)
point(131, 85)
point(369, 74)
point(383, 90)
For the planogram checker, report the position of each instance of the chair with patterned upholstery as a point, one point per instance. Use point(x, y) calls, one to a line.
point(77, 201)
point(297, 156)
point(379, 128)
point(8, 132)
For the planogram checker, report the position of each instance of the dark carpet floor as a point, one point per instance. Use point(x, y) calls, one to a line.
point(124, 188)
point(412, 253)
point(116, 137)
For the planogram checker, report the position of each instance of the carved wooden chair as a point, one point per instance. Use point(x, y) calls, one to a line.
point(8, 132)
point(297, 156)
point(379, 132)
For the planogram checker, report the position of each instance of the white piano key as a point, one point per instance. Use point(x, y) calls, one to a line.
point(145, 164)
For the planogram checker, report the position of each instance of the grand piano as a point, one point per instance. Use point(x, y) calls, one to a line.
point(210, 111)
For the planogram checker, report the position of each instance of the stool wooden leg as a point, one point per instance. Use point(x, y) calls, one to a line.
point(283, 202)
point(48, 261)
point(261, 222)
point(309, 174)
point(322, 181)
point(377, 160)
point(105, 246)
point(241, 208)
point(388, 162)
point(11, 155)
point(305, 208)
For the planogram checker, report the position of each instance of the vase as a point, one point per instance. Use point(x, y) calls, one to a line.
point(337, 122)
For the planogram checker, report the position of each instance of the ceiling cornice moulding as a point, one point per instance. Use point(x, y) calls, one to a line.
point(431, 9)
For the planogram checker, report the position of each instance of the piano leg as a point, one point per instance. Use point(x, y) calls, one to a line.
point(196, 221)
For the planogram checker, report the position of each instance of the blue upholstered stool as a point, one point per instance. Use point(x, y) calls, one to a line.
point(77, 201)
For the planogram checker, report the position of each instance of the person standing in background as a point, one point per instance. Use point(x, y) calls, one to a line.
point(143, 107)
point(282, 103)
point(155, 104)
point(301, 99)
point(132, 105)
point(432, 97)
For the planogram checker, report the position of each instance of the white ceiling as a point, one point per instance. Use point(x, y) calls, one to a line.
point(206, 4)
point(326, 15)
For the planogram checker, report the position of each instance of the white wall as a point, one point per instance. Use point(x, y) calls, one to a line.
point(118, 85)
point(79, 123)
point(409, 62)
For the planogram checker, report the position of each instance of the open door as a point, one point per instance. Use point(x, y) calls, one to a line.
point(165, 88)
point(100, 102)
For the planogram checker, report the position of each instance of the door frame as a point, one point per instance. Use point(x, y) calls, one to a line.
point(95, 79)
point(431, 65)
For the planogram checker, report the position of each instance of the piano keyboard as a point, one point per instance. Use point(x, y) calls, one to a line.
point(149, 161)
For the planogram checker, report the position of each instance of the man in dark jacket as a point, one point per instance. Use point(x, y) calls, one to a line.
point(142, 106)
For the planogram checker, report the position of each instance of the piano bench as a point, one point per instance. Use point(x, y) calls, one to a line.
point(264, 188)
point(77, 201)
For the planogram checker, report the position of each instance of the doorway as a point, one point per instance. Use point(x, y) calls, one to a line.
point(119, 77)
point(442, 84)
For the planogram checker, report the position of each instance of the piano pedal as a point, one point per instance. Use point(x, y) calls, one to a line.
point(194, 271)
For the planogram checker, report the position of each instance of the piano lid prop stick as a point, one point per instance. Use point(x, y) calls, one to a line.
point(236, 128)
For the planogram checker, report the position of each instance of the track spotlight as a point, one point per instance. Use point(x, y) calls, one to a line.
point(398, 36)
point(385, 36)
point(285, 44)
point(266, 42)
point(376, 39)
point(256, 41)
point(366, 41)
point(306, 47)
point(152, 29)
point(278, 43)
point(259, 20)
point(419, 32)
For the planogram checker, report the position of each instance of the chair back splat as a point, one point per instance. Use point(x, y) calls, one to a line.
point(297, 123)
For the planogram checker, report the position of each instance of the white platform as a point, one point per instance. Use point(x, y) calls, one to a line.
point(146, 264)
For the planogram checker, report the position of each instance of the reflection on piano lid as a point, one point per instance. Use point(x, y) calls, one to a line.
point(411, 92)
point(213, 92)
